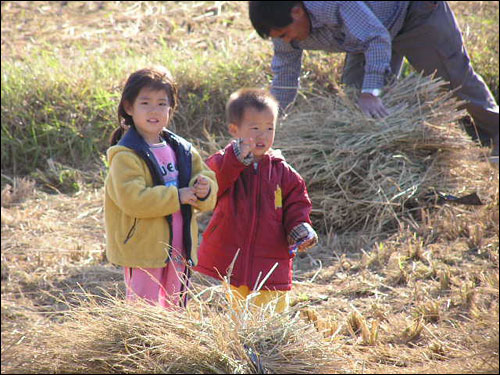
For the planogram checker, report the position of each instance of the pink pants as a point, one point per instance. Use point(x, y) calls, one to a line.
point(165, 286)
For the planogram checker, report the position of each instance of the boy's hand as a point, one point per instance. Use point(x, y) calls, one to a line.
point(201, 187)
point(187, 196)
point(246, 146)
point(307, 243)
point(303, 245)
point(302, 238)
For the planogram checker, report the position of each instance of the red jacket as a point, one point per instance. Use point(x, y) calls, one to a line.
point(256, 210)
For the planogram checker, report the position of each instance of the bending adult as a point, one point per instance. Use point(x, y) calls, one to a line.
point(376, 35)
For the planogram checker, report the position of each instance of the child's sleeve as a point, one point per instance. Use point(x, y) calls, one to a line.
point(127, 188)
point(296, 211)
point(227, 167)
point(303, 236)
point(199, 168)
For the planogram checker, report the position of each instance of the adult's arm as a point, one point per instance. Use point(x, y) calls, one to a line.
point(286, 67)
point(360, 31)
point(362, 27)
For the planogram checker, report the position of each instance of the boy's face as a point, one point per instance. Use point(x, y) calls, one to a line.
point(259, 126)
point(298, 30)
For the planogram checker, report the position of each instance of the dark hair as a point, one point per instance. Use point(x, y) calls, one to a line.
point(157, 78)
point(242, 99)
point(267, 15)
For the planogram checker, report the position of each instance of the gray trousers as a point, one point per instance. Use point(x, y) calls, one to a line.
point(432, 42)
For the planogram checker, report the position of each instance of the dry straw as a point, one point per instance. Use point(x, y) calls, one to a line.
point(109, 335)
point(364, 175)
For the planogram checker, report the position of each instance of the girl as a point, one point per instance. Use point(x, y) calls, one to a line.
point(156, 180)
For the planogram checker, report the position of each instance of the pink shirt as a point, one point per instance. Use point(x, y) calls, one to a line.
point(165, 285)
point(165, 156)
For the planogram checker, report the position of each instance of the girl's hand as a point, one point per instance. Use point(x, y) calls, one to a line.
point(246, 146)
point(187, 196)
point(201, 187)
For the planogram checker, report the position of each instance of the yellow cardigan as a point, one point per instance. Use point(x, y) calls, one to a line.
point(137, 233)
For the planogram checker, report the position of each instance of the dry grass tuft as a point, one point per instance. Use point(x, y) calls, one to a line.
point(21, 188)
point(108, 335)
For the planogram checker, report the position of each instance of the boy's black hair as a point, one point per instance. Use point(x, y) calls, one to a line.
point(267, 15)
point(244, 98)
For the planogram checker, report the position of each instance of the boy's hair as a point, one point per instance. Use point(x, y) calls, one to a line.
point(244, 98)
point(157, 78)
point(267, 15)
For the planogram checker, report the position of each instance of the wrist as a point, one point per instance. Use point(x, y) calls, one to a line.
point(206, 196)
point(374, 92)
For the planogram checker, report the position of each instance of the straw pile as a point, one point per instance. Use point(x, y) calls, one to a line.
point(363, 175)
point(109, 335)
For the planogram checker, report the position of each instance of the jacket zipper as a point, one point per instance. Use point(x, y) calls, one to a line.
point(249, 257)
point(170, 240)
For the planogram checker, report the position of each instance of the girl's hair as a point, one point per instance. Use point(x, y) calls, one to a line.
point(158, 78)
point(244, 98)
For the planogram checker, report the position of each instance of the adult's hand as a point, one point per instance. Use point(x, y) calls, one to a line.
point(372, 105)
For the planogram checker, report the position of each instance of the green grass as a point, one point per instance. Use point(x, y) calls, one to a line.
point(60, 94)
point(50, 110)
point(53, 111)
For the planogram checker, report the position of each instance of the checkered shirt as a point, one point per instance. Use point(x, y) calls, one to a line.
point(340, 26)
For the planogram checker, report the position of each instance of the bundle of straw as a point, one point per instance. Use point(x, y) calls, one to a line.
point(363, 174)
point(109, 335)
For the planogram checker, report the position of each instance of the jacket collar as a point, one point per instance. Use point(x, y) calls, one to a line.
point(133, 140)
point(182, 148)
point(271, 156)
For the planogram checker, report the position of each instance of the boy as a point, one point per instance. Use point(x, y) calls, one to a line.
point(263, 208)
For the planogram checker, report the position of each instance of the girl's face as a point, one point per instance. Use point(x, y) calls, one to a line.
point(258, 125)
point(150, 112)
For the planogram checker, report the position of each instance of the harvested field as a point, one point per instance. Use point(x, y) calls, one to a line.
point(404, 280)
